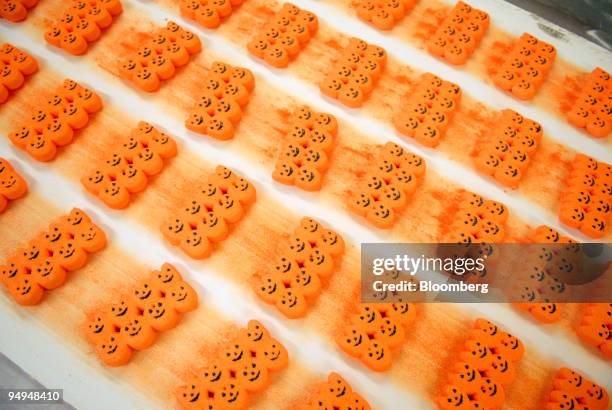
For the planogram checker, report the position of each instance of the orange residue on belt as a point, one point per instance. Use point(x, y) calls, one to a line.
point(427, 20)
point(495, 56)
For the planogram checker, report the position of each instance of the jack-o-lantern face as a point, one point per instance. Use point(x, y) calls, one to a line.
point(123, 310)
point(253, 376)
point(510, 346)
point(70, 255)
point(235, 353)
point(390, 332)
point(495, 210)
point(567, 379)
point(25, 291)
point(492, 393)
point(97, 327)
point(274, 355)
point(332, 242)
point(560, 400)
point(361, 203)
point(233, 396)
point(214, 373)
point(167, 276)
point(573, 217)
point(268, 288)
point(476, 351)
point(509, 174)
point(309, 227)
point(319, 263)
point(192, 395)
point(381, 215)
point(336, 387)
point(454, 398)
point(113, 350)
point(285, 265)
point(594, 226)
point(254, 333)
point(353, 340)
point(138, 334)
point(160, 315)
point(195, 244)
point(10, 271)
point(48, 274)
point(32, 252)
point(292, 302)
point(298, 247)
point(175, 230)
point(377, 356)
point(403, 312)
point(182, 297)
point(465, 377)
point(76, 218)
point(367, 315)
point(306, 282)
point(144, 292)
point(501, 370)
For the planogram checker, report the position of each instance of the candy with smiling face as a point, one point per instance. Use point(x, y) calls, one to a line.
point(114, 195)
point(594, 225)
point(292, 302)
point(163, 145)
point(319, 263)
point(268, 288)
point(182, 297)
point(88, 100)
point(306, 282)
point(132, 177)
point(273, 355)
point(452, 398)
point(572, 216)
point(255, 334)
point(48, 273)
point(59, 132)
point(25, 290)
point(253, 375)
point(193, 395)
point(138, 334)
point(242, 190)
point(70, 255)
point(113, 350)
point(99, 325)
point(377, 355)
point(146, 79)
point(149, 161)
point(560, 400)
point(160, 315)
point(74, 43)
point(232, 395)
point(123, 311)
point(352, 340)
point(381, 215)
point(144, 293)
point(214, 226)
point(491, 394)
point(175, 230)
point(390, 333)
point(494, 366)
point(41, 148)
point(88, 29)
point(166, 277)
point(367, 316)
point(331, 242)
point(195, 244)
point(12, 185)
